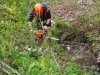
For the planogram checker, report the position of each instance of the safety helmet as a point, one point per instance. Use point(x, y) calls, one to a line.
point(38, 8)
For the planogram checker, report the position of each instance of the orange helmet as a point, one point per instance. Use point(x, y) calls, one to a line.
point(38, 8)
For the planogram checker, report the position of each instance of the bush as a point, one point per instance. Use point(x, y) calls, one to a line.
point(59, 27)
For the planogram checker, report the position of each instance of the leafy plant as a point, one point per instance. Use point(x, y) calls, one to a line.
point(58, 27)
point(14, 36)
point(75, 69)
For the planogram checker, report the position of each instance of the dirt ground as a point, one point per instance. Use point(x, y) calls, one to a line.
point(67, 9)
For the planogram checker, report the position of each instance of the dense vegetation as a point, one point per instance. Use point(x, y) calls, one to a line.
point(47, 60)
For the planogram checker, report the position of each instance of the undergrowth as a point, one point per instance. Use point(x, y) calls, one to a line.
point(15, 36)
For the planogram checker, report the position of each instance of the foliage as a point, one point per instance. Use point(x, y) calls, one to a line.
point(98, 2)
point(59, 27)
point(93, 37)
point(72, 29)
point(75, 69)
point(27, 65)
point(14, 36)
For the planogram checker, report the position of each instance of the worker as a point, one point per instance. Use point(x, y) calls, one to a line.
point(40, 13)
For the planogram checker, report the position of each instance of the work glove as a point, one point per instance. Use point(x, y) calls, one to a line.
point(45, 28)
